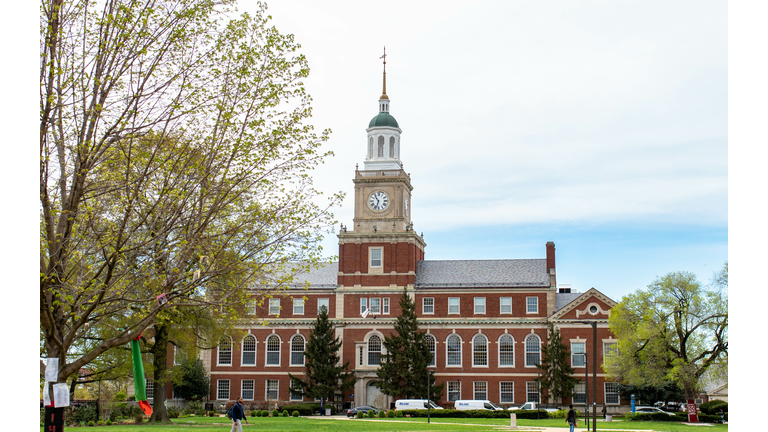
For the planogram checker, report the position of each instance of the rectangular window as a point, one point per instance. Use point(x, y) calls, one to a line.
point(376, 261)
point(375, 306)
point(479, 305)
point(179, 356)
point(453, 305)
point(222, 390)
point(298, 306)
point(612, 393)
point(150, 388)
point(295, 395)
point(363, 304)
point(577, 354)
point(274, 306)
point(385, 305)
point(250, 307)
point(532, 391)
point(323, 303)
point(507, 392)
point(246, 389)
point(428, 305)
point(505, 305)
point(272, 389)
point(610, 350)
point(481, 390)
point(532, 304)
point(454, 390)
point(579, 394)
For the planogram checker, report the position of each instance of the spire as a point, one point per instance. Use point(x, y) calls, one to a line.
point(384, 89)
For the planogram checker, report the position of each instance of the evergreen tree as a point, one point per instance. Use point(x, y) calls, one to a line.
point(557, 378)
point(403, 370)
point(324, 377)
point(194, 380)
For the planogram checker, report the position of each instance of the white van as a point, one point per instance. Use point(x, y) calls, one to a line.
point(476, 405)
point(406, 404)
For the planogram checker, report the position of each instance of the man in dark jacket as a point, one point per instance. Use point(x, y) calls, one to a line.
point(571, 417)
point(237, 416)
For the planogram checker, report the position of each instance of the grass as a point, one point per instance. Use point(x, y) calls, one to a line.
point(218, 424)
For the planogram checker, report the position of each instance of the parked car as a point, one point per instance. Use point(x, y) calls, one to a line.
point(352, 412)
point(405, 404)
point(532, 406)
point(476, 405)
point(650, 410)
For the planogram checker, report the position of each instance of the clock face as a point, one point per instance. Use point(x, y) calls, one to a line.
point(378, 200)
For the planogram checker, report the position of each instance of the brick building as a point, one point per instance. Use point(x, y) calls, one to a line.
point(486, 319)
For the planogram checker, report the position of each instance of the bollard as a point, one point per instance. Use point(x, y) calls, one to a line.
point(513, 420)
point(608, 417)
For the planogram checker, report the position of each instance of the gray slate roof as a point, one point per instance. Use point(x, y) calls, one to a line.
point(323, 277)
point(482, 273)
point(563, 299)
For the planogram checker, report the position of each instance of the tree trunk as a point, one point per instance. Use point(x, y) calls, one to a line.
point(160, 353)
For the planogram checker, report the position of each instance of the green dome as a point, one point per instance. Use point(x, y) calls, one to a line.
point(383, 119)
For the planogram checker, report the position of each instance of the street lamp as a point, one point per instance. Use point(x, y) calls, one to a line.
point(586, 390)
point(594, 373)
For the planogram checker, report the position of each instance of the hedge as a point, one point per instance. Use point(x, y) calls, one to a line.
point(713, 407)
point(677, 417)
point(449, 413)
point(307, 409)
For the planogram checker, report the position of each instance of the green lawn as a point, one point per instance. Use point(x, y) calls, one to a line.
point(218, 424)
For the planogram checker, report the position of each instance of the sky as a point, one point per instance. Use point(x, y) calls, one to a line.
point(601, 126)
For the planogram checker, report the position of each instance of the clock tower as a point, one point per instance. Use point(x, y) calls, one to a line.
point(381, 248)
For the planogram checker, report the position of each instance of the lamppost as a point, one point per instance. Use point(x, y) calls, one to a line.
point(594, 373)
point(538, 388)
point(429, 404)
point(586, 390)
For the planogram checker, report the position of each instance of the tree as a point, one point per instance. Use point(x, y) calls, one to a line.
point(403, 371)
point(557, 378)
point(324, 376)
point(193, 380)
point(173, 161)
point(672, 332)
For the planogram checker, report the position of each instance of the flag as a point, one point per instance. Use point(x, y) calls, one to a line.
point(139, 381)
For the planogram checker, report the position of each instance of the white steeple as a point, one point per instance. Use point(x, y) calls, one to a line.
point(383, 143)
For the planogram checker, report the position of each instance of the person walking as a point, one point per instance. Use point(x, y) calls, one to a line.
point(571, 418)
point(237, 416)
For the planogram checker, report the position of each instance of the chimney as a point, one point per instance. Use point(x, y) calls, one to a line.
point(551, 263)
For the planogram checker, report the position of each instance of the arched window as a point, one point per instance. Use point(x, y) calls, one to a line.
point(370, 148)
point(453, 348)
point(480, 351)
point(432, 344)
point(506, 350)
point(532, 350)
point(297, 350)
point(225, 350)
point(381, 146)
point(392, 147)
point(374, 350)
point(273, 350)
point(249, 350)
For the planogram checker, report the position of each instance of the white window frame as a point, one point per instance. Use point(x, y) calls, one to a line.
point(244, 350)
point(611, 390)
point(509, 391)
point(250, 307)
point(385, 305)
point(363, 304)
point(531, 305)
point(503, 354)
point(610, 350)
point(149, 387)
point(531, 388)
point(274, 306)
point(220, 388)
point(177, 354)
point(427, 305)
point(480, 390)
point(224, 352)
point(373, 267)
point(457, 300)
point(292, 395)
point(480, 356)
point(380, 352)
point(528, 351)
point(503, 302)
point(432, 349)
point(294, 351)
point(578, 349)
point(375, 305)
point(298, 306)
point(267, 350)
point(276, 389)
point(454, 389)
point(448, 352)
point(479, 305)
point(243, 389)
point(579, 393)
point(324, 302)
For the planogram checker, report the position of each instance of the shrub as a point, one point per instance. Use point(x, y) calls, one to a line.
point(713, 407)
point(399, 414)
point(173, 412)
point(360, 414)
point(109, 422)
point(195, 407)
point(275, 413)
point(138, 418)
point(253, 413)
point(90, 422)
point(390, 414)
point(295, 413)
point(284, 413)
